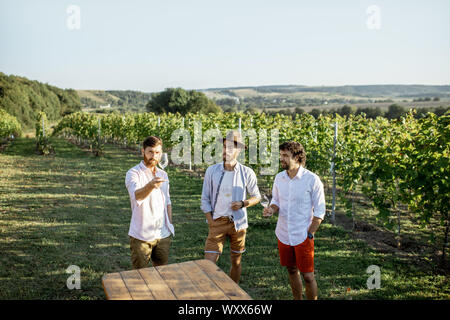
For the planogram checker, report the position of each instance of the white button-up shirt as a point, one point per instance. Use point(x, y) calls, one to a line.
point(149, 219)
point(299, 199)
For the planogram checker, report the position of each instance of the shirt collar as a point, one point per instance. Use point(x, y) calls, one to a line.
point(143, 167)
point(236, 167)
point(299, 174)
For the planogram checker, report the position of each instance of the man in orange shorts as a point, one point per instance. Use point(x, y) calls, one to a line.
point(224, 202)
point(299, 200)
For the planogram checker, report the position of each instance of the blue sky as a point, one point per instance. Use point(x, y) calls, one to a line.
point(151, 45)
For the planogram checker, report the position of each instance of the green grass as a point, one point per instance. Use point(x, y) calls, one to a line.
point(72, 208)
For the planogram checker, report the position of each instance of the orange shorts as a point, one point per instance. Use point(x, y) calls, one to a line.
point(301, 255)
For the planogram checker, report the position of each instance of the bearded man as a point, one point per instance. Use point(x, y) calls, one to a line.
point(151, 228)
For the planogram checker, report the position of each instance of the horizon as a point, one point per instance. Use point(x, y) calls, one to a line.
point(247, 86)
point(148, 46)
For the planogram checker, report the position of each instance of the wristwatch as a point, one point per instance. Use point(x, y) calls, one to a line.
point(243, 204)
point(310, 235)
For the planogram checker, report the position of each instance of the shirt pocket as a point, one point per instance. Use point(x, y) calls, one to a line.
point(304, 199)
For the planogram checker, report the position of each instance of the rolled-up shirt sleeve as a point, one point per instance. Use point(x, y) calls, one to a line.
point(206, 193)
point(275, 195)
point(252, 186)
point(132, 184)
point(318, 199)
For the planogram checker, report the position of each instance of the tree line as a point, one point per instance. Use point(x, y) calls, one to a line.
point(394, 111)
point(179, 100)
point(24, 99)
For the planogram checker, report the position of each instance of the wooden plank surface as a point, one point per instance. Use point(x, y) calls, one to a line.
point(201, 280)
point(115, 288)
point(156, 284)
point(190, 280)
point(136, 285)
point(182, 286)
point(222, 280)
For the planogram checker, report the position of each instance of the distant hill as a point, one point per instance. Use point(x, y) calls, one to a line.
point(121, 100)
point(24, 98)
point(274, 96)
point(367, 91)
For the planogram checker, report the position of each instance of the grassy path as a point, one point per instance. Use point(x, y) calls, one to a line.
point(73, 209)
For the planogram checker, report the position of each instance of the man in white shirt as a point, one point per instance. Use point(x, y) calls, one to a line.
point(151, 226)
point(224, 202)
point(299, 200)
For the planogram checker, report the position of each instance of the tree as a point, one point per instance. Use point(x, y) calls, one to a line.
point(315, 113)
point(422, 112)
point(439, 111)
point(24, 99)
point(198, 102)
point(171, 100)
point(299, 110)
point(395, 111)
point(346, 110)
point(179, 100)
point(226, 102)
point(285, 111)
point(230, 109)
point(371, 113)
point(252, 110)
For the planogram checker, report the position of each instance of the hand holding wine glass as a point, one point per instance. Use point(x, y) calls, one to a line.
point(264, 201)
point(268, 211)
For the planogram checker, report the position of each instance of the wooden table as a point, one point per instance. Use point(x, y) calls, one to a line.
point(190, 280)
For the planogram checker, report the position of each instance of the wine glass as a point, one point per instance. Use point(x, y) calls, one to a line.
point(264, 201)
point(164, 161)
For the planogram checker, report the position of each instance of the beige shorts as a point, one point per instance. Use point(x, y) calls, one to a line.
point(221, 229)
point(142, 252)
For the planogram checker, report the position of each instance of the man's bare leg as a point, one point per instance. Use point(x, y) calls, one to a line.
point(295, 282)
point(236, 269)
point(310, 285)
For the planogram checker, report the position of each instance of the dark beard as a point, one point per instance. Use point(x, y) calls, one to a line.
point(150, 162)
